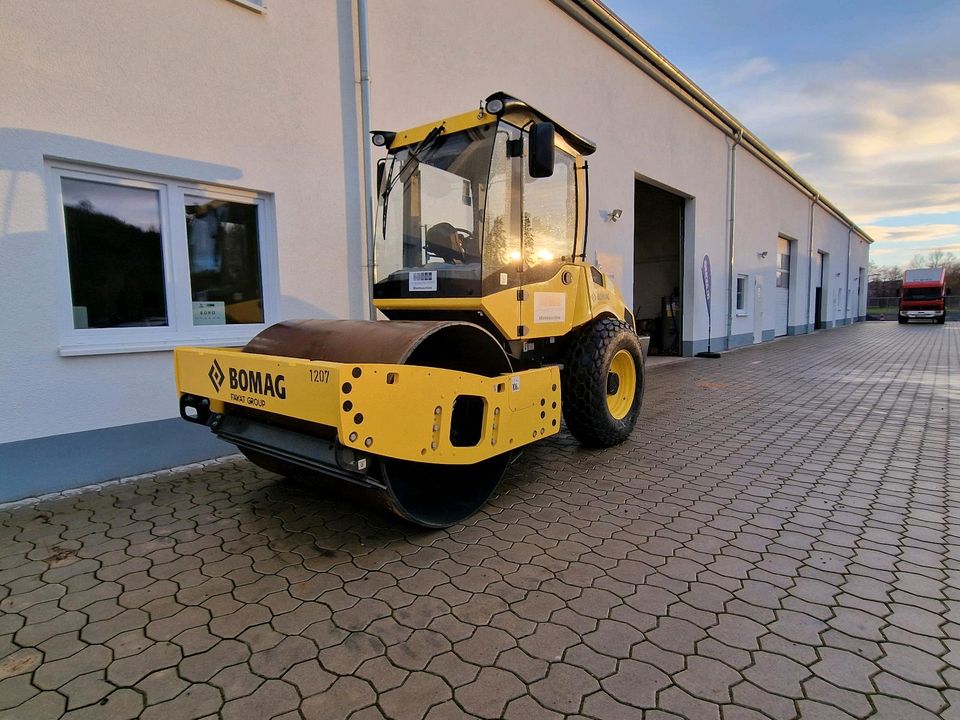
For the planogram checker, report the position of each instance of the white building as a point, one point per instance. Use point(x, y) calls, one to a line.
point(155, 127)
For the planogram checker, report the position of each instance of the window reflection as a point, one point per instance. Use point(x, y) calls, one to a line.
point(501, 239)
point(115, 254)
point(224, 249)
point(549, 220)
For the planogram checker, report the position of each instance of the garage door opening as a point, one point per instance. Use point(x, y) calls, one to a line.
point(658, 267)
point(820, 296)
point(781, 325)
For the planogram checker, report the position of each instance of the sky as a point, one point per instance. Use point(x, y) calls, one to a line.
point(861, 97)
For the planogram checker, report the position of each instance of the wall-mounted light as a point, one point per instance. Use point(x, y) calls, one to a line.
point(762, 255)
point(615, 215)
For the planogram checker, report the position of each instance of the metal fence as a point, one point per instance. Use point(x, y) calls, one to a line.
point(887, 308)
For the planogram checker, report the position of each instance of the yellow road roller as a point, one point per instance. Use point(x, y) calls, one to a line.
point(496, 324)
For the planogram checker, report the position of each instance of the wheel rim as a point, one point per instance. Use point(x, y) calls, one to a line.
point(621, 391)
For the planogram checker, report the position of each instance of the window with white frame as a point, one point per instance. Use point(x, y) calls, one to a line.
point(741, 294)
point(154, 262)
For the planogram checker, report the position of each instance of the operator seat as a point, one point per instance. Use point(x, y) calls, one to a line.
point(444, 242)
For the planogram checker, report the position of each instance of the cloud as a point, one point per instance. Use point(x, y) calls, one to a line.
point(914, 233)
point(877, 148)
point(865, 105)
point(792, 157)
point(755, 67)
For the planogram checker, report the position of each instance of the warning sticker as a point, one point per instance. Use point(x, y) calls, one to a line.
point(549, 307)
point(515, 383)
point(422, 281)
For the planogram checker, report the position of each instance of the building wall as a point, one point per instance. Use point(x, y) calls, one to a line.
point(767, 207)
point(205, 91)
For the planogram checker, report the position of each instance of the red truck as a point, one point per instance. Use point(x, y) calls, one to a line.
point(923, 295)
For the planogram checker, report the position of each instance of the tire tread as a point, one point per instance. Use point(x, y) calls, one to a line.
point(583, 383)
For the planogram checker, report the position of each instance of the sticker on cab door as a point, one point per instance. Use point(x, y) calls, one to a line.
point(422, 281)
point(549, 307)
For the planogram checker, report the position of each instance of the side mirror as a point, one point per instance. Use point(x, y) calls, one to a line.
point(541, 149)
point(381, 170)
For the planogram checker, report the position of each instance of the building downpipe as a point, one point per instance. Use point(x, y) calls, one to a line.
point(846, 283)
point(730, 233)
point(808, 324)
point(367, 215)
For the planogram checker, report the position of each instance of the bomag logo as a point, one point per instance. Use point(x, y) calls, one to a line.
point(258, 383)
point(216, 375)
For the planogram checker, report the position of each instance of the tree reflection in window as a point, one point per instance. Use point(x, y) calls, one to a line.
point(115, 254)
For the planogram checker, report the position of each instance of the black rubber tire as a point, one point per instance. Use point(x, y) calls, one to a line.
point(901, 319)
point(942, 319)
point(584, 383)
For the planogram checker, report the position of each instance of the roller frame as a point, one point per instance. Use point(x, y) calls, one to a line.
point(399, 404)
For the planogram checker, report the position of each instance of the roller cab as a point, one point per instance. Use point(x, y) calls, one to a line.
point(483, 217)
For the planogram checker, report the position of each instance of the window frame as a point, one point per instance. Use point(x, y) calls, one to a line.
point(180, 329)
point(740, 295)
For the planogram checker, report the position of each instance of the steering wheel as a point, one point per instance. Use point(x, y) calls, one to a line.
point(471, 247)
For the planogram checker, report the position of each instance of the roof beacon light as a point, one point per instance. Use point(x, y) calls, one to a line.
point(495, 106)
point(379, 139)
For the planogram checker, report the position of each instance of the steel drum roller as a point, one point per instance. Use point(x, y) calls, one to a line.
point(428, 494)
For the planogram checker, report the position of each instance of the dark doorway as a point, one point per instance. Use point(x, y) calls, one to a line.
point(819, 311)
point(658, 267)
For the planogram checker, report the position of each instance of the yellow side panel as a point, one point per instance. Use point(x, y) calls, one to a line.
point(503, 310)
point(549, 308)
point(410, 418)
point(606, 299)
point(553, 308)
point(297, 388)
point(396, 411)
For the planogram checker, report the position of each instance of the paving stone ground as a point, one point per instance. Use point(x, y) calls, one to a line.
point(779, 539)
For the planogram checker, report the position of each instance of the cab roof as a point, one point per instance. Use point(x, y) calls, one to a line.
point(514, 111)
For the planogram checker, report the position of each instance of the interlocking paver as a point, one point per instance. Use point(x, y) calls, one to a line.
point(197, 701)
point(237, 681)
point(272, 698)
point(564, 688)
point(131, 670)
point(15, 691)
point(161, 685)
point(414, 697)
point(202, 667)
point(776, 540)
point(342, 698)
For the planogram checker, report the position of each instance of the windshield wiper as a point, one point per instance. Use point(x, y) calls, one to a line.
point(410, 166)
